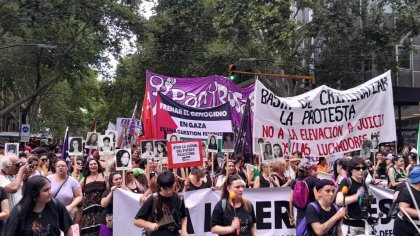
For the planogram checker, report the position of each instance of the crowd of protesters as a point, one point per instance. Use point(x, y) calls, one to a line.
point(83, 187)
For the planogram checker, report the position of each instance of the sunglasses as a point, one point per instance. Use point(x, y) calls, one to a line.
point(360, 168)
point(44, 160)
point(79, 163)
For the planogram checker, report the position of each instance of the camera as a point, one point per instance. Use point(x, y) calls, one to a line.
point(364, 202)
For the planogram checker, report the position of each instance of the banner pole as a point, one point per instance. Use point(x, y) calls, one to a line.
point(123, 178)
point(212, 163)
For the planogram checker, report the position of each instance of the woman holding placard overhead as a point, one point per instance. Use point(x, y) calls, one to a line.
point(233, 215)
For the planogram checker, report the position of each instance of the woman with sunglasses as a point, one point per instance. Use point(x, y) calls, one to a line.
point(233, 214)
point(65, 188)
point(356, 188)
point(77, 169)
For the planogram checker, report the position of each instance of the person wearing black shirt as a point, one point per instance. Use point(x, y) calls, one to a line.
point(171, 215)
point(38, 213)
point(233, 216)
point(307, 172)
point(356, 189)
point(325, 221)
point(402, 224)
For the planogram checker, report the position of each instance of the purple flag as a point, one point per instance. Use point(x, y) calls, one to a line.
point(244, 134)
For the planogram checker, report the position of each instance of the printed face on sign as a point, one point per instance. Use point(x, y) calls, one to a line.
point(11, 148)
point(160, 150)
point(113, 134)
point(173, 137)
point(212, 143)
point(147, 149)
point(266, 152)
point(123, 159)
point(75, 146)
point(228, 144)
point(106, 146)
point(366, 147)
point(277, 152)
point(92, 140)
point(204, 150)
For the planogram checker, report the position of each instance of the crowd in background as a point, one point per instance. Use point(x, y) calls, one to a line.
point(84, 184)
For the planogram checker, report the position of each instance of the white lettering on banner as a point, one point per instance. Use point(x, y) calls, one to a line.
point(270, 205)
point(215, 91)
point(325, 121)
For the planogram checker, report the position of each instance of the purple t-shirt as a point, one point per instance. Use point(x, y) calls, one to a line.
point(66, 192)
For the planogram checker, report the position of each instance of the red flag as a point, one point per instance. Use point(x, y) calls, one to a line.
point(147, 116)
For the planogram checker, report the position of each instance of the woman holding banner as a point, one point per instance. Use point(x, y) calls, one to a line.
point(233, 215)
point(264, 180)
point(197, 180)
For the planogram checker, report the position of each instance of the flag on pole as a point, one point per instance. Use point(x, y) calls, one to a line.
point(147, 116)
point(243, 135)
point(64, 153)
point(132, 126)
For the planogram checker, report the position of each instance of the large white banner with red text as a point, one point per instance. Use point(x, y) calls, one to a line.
point(325, 121)
point(270, 205)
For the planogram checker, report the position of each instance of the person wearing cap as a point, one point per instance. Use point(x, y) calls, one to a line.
point(306, 172)
point(402, 225)
point(12, 176)
point(327, 220)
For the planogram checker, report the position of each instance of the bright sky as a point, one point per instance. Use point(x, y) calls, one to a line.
point(129, 45)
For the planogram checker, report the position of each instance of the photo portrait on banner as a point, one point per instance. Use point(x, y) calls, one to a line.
point(92, 140)
point(11, 149)
point(366, 147)
point(160, 150)
point(325, 121)
point(123, 159)
point(147, 149)
point(213, 145)
point(266, 152)
point(277, 152)
point(204, 150)
point(228, 142)
point(185, 154)
point(113, 134)
point(106, 145)
point(75, 146)
point(173, 137)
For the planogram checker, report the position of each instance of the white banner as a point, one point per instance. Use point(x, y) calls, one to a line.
point(325, 121)
point(270, 205)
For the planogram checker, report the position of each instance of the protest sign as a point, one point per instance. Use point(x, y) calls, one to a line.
point(270, 206)
point(125, 122)
point(201, 92)
point(123, 159)
point(11, 149)
point(190, 123)
point(325, 121)
point(185, 154)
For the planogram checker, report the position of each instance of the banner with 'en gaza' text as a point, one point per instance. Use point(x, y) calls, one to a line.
point(325, 121)
point(188, 122)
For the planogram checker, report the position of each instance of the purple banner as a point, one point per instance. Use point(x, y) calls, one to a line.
point(202, 92)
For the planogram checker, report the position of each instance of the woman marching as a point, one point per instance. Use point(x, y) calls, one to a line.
point(38, 213)
point(233, 215)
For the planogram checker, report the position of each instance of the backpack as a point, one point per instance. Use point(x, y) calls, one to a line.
point(154, 211)
point(302, 229)
point(301, 194)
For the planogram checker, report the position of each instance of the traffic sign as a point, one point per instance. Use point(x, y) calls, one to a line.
point(25, 133)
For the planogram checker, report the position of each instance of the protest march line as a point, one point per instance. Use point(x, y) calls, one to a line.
point(270, 205)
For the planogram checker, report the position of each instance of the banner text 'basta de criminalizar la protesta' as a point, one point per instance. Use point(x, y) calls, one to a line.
point(188, 122)
point(325, 121)
point(201, 92)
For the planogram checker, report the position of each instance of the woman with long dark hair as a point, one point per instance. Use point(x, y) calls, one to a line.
point(93, 185)
point(233, 214)
point(396, 174)
point(38, 213)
